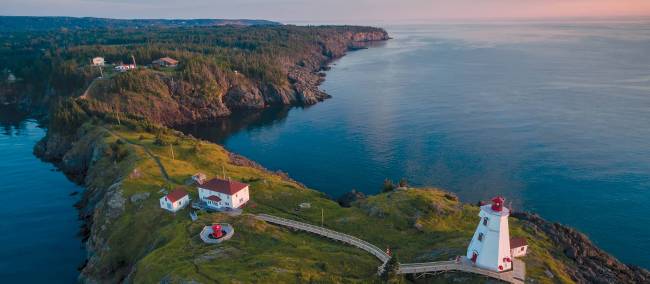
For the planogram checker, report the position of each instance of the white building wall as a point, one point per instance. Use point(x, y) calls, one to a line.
point(166, 204)
point(231, 201)
point(519, 252)
point(240, 198)
point(494, 247)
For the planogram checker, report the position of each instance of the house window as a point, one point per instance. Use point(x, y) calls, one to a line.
point(521, 249)
point(480, 237)
point(485, 221)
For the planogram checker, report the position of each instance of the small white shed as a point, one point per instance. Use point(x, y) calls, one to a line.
point(99, 61)
point(518, 247)
point(175, 200)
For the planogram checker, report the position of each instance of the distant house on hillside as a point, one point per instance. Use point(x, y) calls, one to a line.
point(166, 62)
point(11, 78)
point(175, 200)
point(98, 61)
point(220, 193)
point(124, 67)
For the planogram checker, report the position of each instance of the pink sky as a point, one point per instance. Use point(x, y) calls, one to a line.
point(337, 11)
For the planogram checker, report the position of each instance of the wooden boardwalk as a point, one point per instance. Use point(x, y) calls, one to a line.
point(516, 276)
point(354, 241)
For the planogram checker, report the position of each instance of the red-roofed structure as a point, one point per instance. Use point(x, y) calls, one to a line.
point(176, 194)
point(518, 247)
point(229, 187)
point(166, 62)
point(230, 193)
point(175, 200)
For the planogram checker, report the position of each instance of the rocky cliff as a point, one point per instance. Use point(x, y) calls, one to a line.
point(213, 92)
point(589, 264)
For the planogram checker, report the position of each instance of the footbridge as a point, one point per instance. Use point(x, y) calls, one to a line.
point(516, 276)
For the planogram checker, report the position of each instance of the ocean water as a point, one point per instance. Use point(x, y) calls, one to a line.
point(553, 116)
point(39, 223)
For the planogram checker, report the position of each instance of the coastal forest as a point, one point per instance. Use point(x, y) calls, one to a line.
point(221, 68)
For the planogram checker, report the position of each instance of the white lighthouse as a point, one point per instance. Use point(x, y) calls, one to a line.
point(490, 245)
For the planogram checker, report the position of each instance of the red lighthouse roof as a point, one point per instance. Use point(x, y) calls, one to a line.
point(224, 186)
point(497, 204)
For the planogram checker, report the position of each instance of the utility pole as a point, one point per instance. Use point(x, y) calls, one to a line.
point(223, 171)
point(117, 113)
point(322, 217)
point(171, 147)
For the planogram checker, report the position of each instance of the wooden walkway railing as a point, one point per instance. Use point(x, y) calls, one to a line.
point(359, 243)
point(516, 276)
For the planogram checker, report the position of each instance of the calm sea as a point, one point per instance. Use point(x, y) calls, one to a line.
point(554, 116)
point(39, 223)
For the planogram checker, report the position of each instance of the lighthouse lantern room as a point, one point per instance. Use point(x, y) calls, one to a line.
point(490, 245)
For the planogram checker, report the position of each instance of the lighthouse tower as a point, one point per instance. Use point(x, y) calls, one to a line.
point(490, 245)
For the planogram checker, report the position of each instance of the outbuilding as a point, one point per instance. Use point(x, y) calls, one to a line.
point(175, 200)
point(220, 193)
point(518, 247)
point(124, 67)
point(98, 61)
point(166, 62)
point(199, 178)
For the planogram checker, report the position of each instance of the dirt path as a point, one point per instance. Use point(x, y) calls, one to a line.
point(151, 155)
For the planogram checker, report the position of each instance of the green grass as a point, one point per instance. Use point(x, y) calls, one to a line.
point(417, 224)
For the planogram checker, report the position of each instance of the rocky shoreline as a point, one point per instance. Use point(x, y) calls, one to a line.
point(592, 264)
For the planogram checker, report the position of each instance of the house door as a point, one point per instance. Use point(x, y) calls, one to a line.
point(474, 257)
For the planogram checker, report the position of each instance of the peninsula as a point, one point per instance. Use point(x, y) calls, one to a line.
point(112, 130)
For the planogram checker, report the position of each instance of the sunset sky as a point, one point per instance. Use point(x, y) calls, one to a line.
point(336, 11)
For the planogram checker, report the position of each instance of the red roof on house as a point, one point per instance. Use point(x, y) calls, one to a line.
point(517, 242)
point(214, 198)
point(167, 60)
point(229, 187)
point(176, 194)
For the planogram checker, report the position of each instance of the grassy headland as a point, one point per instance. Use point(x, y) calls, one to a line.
point(133, 238)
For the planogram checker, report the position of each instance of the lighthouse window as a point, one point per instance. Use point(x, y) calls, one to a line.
point(480, 237)
point(485, 221)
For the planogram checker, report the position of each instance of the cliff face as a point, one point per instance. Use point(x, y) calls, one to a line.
point(165, 98)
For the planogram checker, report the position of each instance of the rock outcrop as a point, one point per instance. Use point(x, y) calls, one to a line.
point(592, 265)
point(350, 197)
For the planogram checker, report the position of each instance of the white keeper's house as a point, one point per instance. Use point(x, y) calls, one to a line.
point(175, 200)
point(220, 193)
point(491, 246)
point(98, 61)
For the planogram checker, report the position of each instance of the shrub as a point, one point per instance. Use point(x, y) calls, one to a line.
point(388, 186)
